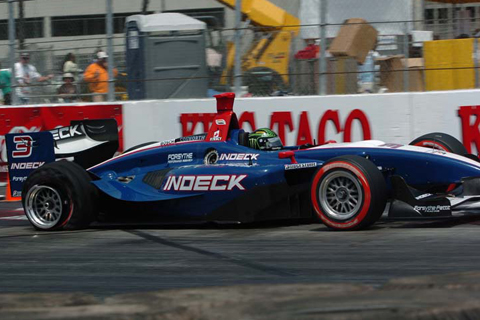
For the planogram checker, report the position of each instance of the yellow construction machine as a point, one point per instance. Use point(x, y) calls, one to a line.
point(265, 65)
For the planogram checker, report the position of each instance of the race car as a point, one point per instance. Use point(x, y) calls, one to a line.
point(228, 175)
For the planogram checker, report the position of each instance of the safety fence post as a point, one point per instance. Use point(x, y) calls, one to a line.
point(111, 80)
point(11, 44)
point(238, 64)
point(322, 81)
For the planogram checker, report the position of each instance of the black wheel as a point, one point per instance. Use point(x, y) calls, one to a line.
point(59, 196)
point(349, 193)
point(138, 146)
point(440, 141)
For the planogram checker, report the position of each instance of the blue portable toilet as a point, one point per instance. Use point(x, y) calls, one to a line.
point(166, 56)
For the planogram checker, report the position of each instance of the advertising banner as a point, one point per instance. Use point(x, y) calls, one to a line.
point(34, 119)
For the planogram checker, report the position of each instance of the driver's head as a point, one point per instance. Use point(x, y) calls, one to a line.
point(264, 139)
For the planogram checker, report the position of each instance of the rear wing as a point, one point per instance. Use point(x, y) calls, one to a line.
point(89, 142)
point(86, 142)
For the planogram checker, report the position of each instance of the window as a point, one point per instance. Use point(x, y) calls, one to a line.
point(87, 24)
point(429, 16)
point(33, 28)
point(3, 30)
point(78, 25)
point(471, 13)
point(443, 15)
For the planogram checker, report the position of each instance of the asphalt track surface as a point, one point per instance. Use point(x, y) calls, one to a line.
point(108, 260)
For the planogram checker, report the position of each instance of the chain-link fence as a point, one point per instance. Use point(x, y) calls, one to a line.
point(371, 46)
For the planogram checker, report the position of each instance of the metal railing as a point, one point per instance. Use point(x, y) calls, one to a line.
point(401, 59)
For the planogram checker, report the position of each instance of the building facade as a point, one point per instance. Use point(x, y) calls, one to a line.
point(53, 28)
point(449, 21)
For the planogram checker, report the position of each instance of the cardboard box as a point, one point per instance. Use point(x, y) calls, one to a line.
point(416, 70)
point(355, 39)
point(392, 73)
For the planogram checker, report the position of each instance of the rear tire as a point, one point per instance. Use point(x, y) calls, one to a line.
point(440, 141)
point(59, 196)
point(348, 193)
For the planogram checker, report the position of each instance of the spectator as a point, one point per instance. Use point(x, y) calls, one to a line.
point(25, 74)
point(68, 91)
point(6, 85)
point(70, 65)
point(97, 77)
point(95, 56)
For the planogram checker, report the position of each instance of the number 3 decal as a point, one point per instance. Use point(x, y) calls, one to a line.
point(23, 146)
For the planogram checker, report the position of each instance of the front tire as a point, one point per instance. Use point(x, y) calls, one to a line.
point(440, 141)
point(59, 196)
point(348, 193)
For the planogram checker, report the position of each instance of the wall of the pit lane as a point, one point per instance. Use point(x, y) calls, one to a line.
point(397, 118)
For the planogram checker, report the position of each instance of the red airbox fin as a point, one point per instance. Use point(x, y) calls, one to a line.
point(225, 101)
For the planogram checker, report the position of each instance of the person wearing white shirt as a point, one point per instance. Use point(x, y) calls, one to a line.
point(25, 74)
point(70, 65)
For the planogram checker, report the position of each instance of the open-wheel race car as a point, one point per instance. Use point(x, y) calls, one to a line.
point(228, 175)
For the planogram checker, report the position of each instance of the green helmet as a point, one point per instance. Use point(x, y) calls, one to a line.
point(264, 139)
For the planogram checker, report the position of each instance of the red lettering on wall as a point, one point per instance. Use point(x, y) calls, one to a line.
point(470, 132)
point(283, 119)
point(247, 117)
point(282, 123)
point(330, 115)
point(360, 116)
point(304, 134)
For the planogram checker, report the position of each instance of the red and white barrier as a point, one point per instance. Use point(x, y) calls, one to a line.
point(397, 118)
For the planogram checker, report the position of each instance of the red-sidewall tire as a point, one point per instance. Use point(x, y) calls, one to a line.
point(348, 193)
point(440, 141)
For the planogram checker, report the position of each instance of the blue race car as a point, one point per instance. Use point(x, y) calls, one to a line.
point(228, 175)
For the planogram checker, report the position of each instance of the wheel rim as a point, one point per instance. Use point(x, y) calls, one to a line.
point(43, 206)
point(340, 195)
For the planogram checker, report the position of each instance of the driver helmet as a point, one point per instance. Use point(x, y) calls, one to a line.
point(264, 139)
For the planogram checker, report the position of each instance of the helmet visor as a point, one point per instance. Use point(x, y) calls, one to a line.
point(274, 144)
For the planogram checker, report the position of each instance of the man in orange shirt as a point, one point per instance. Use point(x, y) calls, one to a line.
point(97, 76)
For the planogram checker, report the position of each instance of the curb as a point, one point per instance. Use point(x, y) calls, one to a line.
point(452, 296)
